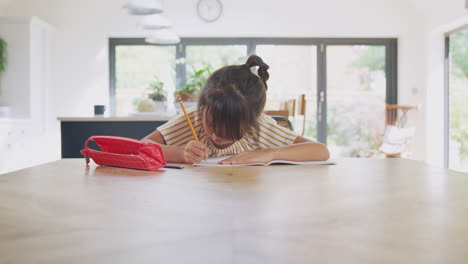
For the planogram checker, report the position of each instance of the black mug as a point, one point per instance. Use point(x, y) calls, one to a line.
point(99, 110)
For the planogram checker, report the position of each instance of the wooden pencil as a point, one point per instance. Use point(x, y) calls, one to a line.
point(188, 118)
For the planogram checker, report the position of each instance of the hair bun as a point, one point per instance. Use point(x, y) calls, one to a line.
point(255, 60)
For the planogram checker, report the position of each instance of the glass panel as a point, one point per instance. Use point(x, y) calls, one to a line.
point(214, 56)
point(137, 67)
point(202, 60)
point(356, 88)
point(293, 71)
point(458, 83)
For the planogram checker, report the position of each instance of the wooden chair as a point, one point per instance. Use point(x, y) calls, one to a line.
point(301, 110)
point(396, 116)
point(290, 106)
point(392, 116)
point(283, 113)
point(281, 118)
point(283, 121)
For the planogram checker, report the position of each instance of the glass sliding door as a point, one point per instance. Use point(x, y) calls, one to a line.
point(458, 100)
point(201, 60)
point(293, 71)
point(356, 93)
point(136, 67)
point(345, 82)
point(213, 56)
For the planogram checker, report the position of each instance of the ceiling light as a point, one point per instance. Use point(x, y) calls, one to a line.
point(163, 36)
point(143, 7)
point(152, 22)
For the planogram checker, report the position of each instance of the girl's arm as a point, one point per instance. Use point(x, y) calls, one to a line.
point(193, 152)
point(302, 150)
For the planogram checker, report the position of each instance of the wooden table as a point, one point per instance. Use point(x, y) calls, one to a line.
point(359, 211)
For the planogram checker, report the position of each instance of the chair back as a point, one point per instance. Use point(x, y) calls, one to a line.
point(283, 113)
point(301, 105)
point(290, 106)
point(395, 138)
point(396, 115)
point(283, 121)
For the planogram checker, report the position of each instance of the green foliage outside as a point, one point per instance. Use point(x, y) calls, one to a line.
point(459, 53)
point(217, 56)
point(459, 93)
point(3, 58)
point(202, 60)
point(352, 121)
point(136, 66)
point(371, 60)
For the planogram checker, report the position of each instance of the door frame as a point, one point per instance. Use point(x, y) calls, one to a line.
point(447, 93)
point(391, 63)
point(391, 68)
point(391, 75)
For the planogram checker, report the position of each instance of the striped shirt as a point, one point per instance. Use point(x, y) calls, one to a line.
point(176, 132)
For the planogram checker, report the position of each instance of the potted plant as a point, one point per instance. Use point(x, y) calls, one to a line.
point(191, 90)
point(156, 96)
point(156, 90)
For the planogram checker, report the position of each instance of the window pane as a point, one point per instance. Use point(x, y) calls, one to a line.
point(136, 67)
point(356, 86)
point(293, 71)
point(213, 56)
point(202, 60)
point(458, 83)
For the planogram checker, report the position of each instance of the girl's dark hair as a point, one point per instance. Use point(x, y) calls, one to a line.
point(234, 97)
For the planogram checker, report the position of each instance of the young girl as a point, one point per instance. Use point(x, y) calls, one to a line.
point(229, 121)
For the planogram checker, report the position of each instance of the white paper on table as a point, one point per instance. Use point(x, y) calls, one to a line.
point(213, 162)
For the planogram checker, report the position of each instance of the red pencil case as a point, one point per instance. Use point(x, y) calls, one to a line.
point(125, 152)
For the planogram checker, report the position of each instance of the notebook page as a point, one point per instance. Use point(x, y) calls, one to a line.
point(213, 162)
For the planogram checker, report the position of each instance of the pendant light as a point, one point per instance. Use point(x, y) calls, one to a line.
point(143, 7)
point(162, 36)
point(154, 22)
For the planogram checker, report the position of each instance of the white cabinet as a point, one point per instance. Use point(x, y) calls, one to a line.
point(14, 145)
point(25, 134)
point(25, 82)
point(4, 145)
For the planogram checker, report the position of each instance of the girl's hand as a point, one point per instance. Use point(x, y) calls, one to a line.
point(194, 152)
point(247, 157)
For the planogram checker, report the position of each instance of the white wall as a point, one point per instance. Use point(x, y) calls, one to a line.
point(439, 17)
point(17, 35)
point(80, 63)
point(26, 139)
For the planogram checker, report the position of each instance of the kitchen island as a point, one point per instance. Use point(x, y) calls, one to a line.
point(76, 130)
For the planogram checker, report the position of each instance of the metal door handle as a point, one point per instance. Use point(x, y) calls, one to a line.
point(320, 105)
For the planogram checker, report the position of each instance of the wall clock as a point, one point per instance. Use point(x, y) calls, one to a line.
point(209, 10)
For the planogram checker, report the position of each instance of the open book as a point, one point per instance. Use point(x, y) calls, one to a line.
point(213, 162)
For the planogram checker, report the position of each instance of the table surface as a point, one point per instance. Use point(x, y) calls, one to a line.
point(358, 211)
